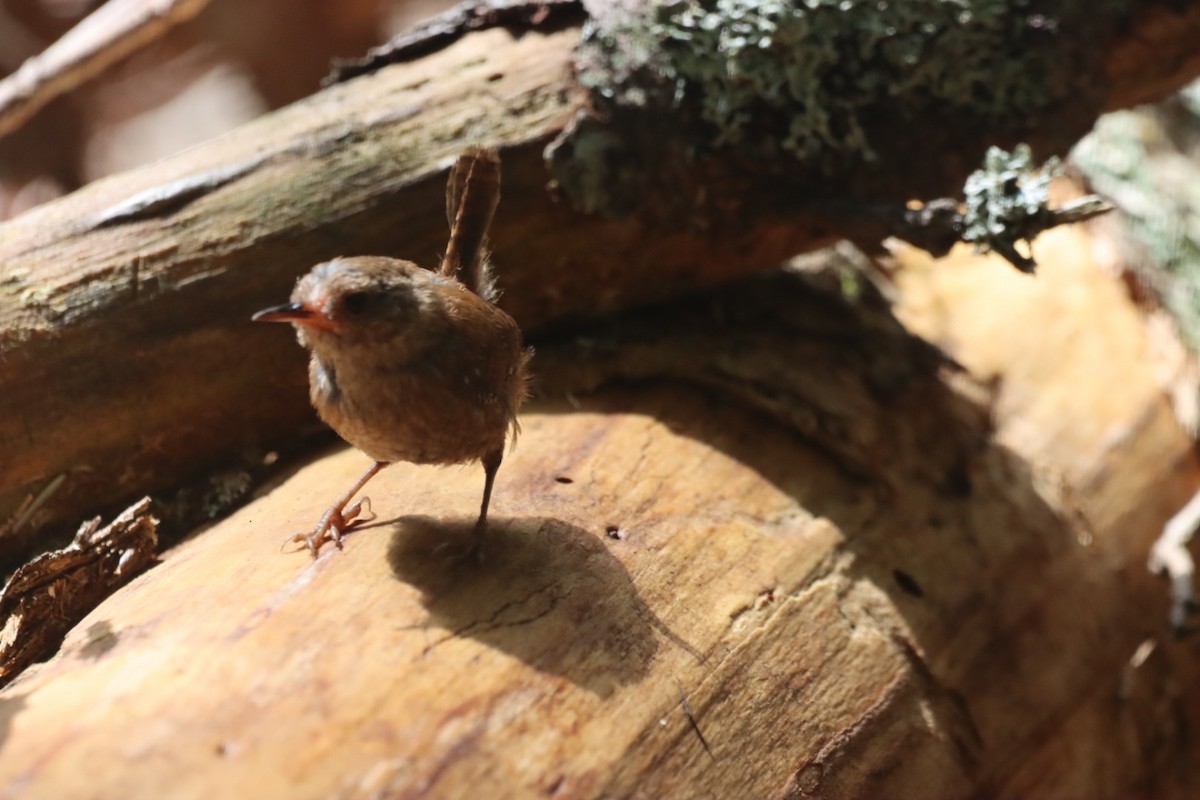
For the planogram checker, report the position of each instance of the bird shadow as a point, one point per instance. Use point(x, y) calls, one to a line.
point(541, 590)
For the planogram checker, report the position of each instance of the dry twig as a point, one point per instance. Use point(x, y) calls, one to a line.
point(112, 32)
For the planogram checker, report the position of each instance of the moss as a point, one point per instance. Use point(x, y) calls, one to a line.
point(810, 72)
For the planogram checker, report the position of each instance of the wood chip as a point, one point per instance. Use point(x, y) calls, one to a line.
point(46, 597)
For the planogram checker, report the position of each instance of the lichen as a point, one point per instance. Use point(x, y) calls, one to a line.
point(813, 70)
point(1145, 161)
point(1007, 200)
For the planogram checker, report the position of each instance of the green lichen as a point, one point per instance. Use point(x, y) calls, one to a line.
point(815, 69)
point(1007, 200)
point(1148, 163)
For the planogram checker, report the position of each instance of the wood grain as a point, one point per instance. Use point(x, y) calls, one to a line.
point(961, 622)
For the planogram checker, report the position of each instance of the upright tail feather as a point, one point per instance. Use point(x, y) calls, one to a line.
point(472, 194)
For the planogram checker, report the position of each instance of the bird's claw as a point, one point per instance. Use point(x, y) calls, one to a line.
point(335, 522)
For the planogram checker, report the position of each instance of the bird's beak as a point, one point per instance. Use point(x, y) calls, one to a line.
point(299, 313)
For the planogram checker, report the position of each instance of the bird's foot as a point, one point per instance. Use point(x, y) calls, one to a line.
point(333, 523)
point(470, 550)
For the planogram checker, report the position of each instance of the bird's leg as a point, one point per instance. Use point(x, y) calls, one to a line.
point(491, 463)
point(474, 547)
point(337, 519)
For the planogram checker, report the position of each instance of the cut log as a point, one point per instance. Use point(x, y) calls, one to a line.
point(806, 560)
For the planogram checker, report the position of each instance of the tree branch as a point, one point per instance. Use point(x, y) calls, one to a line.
point(109, 34)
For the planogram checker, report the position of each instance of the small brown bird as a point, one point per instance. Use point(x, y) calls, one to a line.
point(410, 364)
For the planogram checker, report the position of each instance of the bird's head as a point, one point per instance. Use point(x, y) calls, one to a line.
point(350, 301)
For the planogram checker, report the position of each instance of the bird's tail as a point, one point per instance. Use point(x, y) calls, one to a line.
point(472, 194)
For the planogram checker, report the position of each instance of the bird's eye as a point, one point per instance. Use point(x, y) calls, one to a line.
point(356, 302)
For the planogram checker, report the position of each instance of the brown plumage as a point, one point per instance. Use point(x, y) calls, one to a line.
point(472, 194)
point(410, 364)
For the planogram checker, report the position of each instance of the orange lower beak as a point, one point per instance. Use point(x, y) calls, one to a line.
point(298, 313)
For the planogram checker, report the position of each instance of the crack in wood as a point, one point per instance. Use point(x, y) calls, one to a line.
point(695, 726)
point(168, 198)
point(492, 623)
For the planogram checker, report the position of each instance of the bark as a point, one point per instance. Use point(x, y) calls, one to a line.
point(803, 557)
point(127, 363)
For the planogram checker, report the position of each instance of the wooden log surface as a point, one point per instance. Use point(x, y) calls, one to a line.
point(125, 357)
point(98, 317)
point(798, 564)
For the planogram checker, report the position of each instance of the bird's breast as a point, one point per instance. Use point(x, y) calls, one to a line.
point(424, 412)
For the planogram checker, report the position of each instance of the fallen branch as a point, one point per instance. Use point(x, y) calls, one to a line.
point(109, 34)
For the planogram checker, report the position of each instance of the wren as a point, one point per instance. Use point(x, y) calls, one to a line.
point(410, 364)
